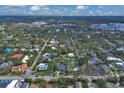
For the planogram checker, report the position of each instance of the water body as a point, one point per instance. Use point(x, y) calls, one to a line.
point(8, 50)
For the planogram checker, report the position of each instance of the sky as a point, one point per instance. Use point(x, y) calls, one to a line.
point(63, 10)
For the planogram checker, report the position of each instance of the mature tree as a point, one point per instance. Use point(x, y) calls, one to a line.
point(62, 83)
point(113, 79)
point(100, 83)
point(40, 82)
point(84, 83)
point(80, 61)
point(122, 80)
point(65, 82)
point(29, 80)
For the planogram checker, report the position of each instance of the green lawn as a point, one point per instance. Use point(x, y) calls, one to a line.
point(45, 72)
point(70, 65)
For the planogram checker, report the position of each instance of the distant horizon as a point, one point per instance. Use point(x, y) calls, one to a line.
point(94, 19)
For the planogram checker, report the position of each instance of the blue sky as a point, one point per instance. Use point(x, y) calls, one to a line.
point(63, 10)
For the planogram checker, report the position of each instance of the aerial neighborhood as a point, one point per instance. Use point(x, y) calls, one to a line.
point(61, 53)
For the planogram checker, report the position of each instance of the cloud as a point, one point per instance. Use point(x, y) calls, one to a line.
point(80, 7)
point(101, 13)
point(91, 13)
point(110, 13)
point(38, 7)
point(35, 8)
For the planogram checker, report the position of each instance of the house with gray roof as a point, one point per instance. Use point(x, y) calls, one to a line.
point(6, 65)
point(61, 67)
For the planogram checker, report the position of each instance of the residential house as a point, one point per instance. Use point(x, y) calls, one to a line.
point(17, 56)
point(106, 68)
point(24, 60)
point(61, 67)
point(46, 55)
point(20, 68)
point(96, 69)
point(8, 37)
point(84, 52)
point(53, 48)
point(43, 66)
point(62, 46)
point(120, 67)
point(120, 49)
point(53, 42)
point(70, 54)
point(114, 59)
point(6, 65)
point(92, 60)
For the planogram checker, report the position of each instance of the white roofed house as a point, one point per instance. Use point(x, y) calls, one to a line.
point(23, 49)
point(62, 45)
point(53, 48)
point(25, 59)
point(120, 49)
point(35, 48)
point(70, 54)
point(43, 66)
point(53, 42)
point(113, 59)
point(46, 55)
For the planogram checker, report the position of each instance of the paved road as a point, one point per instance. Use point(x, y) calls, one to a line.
point(93, 77)
point(39, 54)
point(10, 77)
point(31, 76)
point(29, 71)
point(45, 76)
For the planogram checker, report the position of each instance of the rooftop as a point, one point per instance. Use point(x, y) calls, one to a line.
point(4, 83)
point(43, 66)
